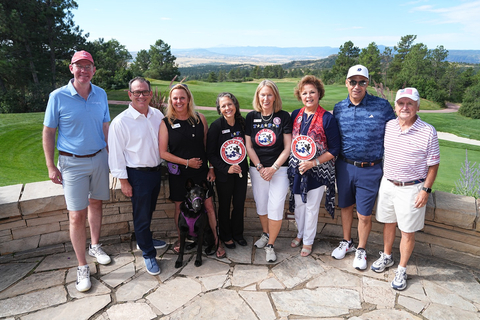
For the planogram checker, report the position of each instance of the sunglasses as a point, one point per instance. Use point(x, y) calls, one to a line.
point(361, 83)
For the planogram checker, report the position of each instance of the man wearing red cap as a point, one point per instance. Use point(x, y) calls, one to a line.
point(80, 112)
point(411, 163)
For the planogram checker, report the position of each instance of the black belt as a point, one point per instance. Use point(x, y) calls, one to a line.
point(63, 153)
point(151, 169)
point(361, 164)
point(408, 183)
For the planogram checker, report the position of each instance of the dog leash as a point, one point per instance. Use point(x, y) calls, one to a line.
point(217, 229)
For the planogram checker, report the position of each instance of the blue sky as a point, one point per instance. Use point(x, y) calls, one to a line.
point(304, 23)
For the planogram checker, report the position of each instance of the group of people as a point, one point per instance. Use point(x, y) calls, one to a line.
point(358, 150)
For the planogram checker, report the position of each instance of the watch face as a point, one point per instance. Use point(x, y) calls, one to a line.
point(428, 190)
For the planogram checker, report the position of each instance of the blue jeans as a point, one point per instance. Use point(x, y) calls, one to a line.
point(145, 189)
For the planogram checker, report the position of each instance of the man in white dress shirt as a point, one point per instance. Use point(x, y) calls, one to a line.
point(134, 159)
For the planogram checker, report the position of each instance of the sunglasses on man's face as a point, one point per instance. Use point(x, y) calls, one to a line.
point(361, 83)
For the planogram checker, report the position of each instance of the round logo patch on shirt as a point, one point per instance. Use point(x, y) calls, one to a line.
point(277, 121)
point(233, 151)
point(265, 138)
point(303, 148)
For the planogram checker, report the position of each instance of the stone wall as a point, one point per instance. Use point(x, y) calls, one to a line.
point(34, 221)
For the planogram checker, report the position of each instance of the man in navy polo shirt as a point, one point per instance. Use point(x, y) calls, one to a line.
point(361, 119)
point(79, 111)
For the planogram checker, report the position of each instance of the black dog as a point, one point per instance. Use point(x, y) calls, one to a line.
point(193, 220)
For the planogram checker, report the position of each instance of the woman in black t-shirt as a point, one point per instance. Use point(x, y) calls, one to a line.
point(268, 135)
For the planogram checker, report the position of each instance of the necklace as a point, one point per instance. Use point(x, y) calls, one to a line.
point(267, 120)
point(305, 123)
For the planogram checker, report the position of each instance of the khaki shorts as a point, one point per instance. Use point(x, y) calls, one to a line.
point(397, 204)
point(84, 178)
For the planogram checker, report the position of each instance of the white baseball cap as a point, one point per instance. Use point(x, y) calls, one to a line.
point(358, 70)
point(410, 93)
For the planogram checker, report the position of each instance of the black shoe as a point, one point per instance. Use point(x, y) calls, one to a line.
point(230, 245)
point(241, 242)
point(210, 250)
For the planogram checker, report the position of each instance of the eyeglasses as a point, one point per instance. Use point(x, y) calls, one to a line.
point(361, 83)
point(138, 93)
point(84, 68)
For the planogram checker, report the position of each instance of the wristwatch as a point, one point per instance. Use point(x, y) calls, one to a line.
point(427, 190)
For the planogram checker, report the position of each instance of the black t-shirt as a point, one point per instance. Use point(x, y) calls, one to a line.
point(266, 135)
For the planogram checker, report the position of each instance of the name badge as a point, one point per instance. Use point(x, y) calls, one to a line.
point(257, 120)
point(176, 125)
point(225, 131)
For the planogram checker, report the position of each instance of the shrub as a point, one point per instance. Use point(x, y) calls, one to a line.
point(471, 102)
point(469, 182)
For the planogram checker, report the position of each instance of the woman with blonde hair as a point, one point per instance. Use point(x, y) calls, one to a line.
point(268, 137)
point(182, 141)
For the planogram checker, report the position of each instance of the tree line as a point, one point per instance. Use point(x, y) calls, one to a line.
point(39, 37)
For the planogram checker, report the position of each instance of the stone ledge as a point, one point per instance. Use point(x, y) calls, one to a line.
point(41, 197)
point(455, 210)
point(9, 197)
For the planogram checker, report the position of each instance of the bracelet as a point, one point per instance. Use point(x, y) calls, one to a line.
point(317, 162)
point(259, 166)
point(187, 164)
point(211, 167)
point(274, 166)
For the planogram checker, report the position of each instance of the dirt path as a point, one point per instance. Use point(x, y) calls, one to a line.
point(451, 107)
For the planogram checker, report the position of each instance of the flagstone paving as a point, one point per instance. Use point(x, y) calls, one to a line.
point(241, 286)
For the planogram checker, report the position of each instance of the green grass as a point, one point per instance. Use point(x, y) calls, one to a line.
point(452, 157)
point(22, 158)
point(453, 123)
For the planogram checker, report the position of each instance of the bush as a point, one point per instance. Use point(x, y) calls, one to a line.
point(33, 98)
point(469, 182)
point(471, 102)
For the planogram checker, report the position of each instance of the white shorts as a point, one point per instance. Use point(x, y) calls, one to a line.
point(270, 195)
point(397, 204)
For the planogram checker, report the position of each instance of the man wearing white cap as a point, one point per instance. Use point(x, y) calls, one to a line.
point(411, 163)
point(361, 120)
point(80, 112)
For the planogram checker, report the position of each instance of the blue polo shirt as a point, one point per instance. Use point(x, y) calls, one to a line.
point(79, 121)
point(362, 127)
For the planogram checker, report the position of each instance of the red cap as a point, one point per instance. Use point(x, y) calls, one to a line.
point(82, 55)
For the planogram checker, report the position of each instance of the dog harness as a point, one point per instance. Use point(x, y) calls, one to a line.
point(191, 224)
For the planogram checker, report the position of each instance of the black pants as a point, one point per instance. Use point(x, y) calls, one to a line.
point(145, 189)
point(231, 225)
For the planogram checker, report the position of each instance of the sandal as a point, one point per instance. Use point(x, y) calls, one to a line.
point(219, 255)
point(176, 247)
point(306, 251)
point(295, 243)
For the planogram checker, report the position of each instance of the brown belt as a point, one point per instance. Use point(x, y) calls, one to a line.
point(63, 153)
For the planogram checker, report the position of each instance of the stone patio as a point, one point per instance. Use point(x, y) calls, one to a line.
point(241, 286)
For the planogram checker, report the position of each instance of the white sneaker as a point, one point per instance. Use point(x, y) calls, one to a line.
point(97, 252)
point(157, 244)
point(270, 253)
point(383, 262)
point(360, 261)
point(83, 279)
point(262, 242)
point(400, 281)
point(343, 248)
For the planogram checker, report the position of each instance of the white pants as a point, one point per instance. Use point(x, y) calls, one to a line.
point(306, 214)
point(270, 195)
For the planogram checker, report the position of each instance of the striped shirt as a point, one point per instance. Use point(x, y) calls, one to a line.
point(408, 154)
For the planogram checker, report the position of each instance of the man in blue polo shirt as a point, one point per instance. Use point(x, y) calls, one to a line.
point(79, 111)
point(361, 119)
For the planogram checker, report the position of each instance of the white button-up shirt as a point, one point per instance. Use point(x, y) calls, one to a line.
point(133, 141)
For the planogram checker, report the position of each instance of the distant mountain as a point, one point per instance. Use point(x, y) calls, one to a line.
point(278, 55)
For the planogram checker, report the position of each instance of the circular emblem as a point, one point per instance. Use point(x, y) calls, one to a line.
point(277, 121)
point(303, 148)
point(299, 119)
point(233, 151)
point(265, 138)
